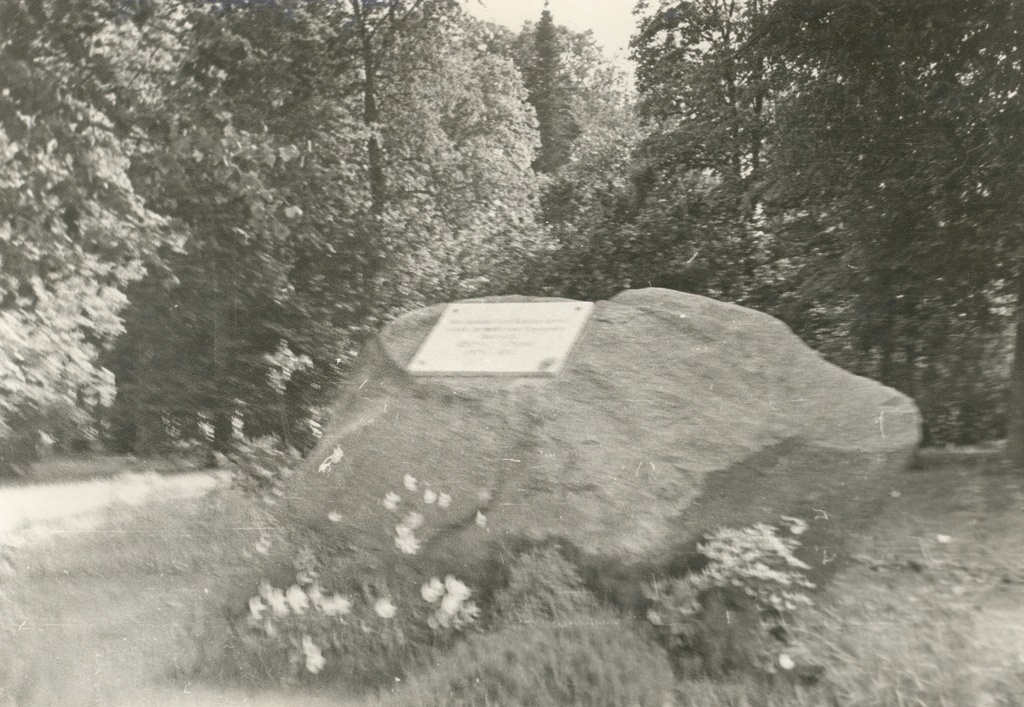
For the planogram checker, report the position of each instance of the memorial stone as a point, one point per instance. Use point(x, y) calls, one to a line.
point(662, 416)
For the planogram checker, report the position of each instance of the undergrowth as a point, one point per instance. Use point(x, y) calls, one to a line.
point(595, 661)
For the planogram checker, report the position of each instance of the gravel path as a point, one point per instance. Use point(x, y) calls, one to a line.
point(28, 512)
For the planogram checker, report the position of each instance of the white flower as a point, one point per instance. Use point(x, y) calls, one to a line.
point(314, 658)
point(263, 545)
point(444, 500)
point(335, 605)
point(409, 481)
point(450, 605)
point(297, 599)
point(275, 598)
point(429, 497)
point(256, 607)
point(944, 539)
point(314, 594)
point(456, 588)
point(391, 500)
point(384, 608)
point(406, 541)
point(432, 590)
point(413, 521)
point(481, 519)
point(334, 517)
point(785, 662)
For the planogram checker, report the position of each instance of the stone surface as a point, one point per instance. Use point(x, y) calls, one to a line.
point(674, 415)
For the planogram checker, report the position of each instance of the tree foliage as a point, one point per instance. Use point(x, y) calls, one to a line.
point(74, 232)
point(334, 164)
point(896, 173)
point(705, 93)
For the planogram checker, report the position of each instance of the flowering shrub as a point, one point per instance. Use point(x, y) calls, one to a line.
point(454, 610)
point(405, 532)
point(758, 561)
point(303, 618)
point(750, 588)
point(356, 635)
point(368, 634)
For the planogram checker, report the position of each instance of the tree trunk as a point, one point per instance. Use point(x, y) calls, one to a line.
point(1015, 409)
point(371, 116)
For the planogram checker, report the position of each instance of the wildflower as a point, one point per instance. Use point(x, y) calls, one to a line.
point(785, 662)
point(456, 588)
point(450, 605)
point(263, 545)
point(391, 500)
point(314, 657)
point(432, 590)
point(406, 541)
point(944, 539)
point(429, 497)
point(297, 599)
point(444, 500)
point(481, 519)
point(384, 608)
point(275, 598)
point(256, 607)
point(334, 517)
point(335, 605)
point(410, 482)
point(413, 521)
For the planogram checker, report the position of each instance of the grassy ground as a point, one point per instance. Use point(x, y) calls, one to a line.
point(929, 611)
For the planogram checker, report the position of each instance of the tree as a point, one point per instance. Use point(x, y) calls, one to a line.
point(586, 170)
point(460, 138)
point(303, 237)
point(896, 157)
point(549, 96)
point(705, 94)
point(73, 230)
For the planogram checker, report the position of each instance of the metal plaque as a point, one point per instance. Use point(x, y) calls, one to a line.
point(501, 338)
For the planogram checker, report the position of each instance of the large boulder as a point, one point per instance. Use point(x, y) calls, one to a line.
point(675, 414)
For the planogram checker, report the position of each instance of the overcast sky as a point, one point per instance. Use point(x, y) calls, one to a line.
point(610, 20)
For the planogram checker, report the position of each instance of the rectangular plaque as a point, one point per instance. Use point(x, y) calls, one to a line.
point(501, 338)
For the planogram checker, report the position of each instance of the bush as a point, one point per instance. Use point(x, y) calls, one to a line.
point(595, 660)
point(733, 615)
point(543, 587)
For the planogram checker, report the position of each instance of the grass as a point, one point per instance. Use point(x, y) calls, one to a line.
point(930, 611)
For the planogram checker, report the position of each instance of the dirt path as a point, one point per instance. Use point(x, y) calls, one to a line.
point(28, 512)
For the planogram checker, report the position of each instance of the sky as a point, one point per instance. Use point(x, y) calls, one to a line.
point(612, 21)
